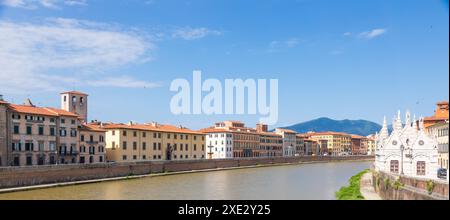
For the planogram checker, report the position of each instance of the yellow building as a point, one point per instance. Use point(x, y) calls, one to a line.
point(92, 143)
point(338, 143)
point(370, 145)
point(440, 132)
point(140, 142)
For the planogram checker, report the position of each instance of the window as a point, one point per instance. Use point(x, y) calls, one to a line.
point(124, 157)
point(52, 120)
point(62, 132)
point(195, 146)
point(73, 132)
point(154, 157)
point(124, 145)
point(144, 134)
point(73, 122)
point(91, 138)
point(16, 129)
point(144, 157)
point(63, 121)
point(113, 133)
point(154, 135)
point(394, 166)
point(74, 98)
point(134, 157)
point(124, 133)
point(187, 147)
point(16, 146)
point(134, 134)
point(168, 136)
point(29, 161)
point(101, 139)
point(154, 146)
point(28, 146)
point(175, 136)
point(52, 146)
point(113, 145)
point(134, 145)
point(65, 98)
point(29, 129)
point(144, 146)
point(159, 146)
point(41, 146)
point(81, 100)
point(420, 168)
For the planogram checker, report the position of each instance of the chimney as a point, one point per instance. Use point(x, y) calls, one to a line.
point(261, 128)
point(130, 123)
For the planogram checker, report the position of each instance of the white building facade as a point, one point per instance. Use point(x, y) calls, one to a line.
point(289, 141)
point(219, 145)
point(408, 150)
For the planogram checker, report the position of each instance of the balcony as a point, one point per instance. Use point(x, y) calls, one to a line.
point(68, 153)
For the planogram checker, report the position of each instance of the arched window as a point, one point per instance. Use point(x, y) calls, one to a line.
point(394, 166)
point(421, 168)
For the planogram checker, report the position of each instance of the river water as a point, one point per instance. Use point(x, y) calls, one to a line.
point(305, 181)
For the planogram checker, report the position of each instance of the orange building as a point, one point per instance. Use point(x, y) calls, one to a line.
point(440, 115)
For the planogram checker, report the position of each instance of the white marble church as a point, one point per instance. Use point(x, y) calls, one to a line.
point(408, 150)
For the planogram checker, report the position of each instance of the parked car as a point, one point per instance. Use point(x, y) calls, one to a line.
point(442, 173)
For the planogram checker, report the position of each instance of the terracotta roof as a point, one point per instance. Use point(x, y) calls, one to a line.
point(31, 110)
point(354, 136)
point(74, 92)
point(92, 127)
point(40, 110)
point(62, 112)
point(270, 133)
point(434, 118)
point(214, 130)
point(286, 130)
point(3, 102)
point(149, 127)
point(329, 133)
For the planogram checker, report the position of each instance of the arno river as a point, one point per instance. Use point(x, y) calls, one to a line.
point(306, 181)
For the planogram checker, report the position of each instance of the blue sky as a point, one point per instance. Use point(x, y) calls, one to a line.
point(339, 59)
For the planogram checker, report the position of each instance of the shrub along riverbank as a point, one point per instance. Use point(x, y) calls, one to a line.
point(352, 191)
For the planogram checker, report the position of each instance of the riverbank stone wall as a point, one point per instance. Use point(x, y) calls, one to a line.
point(36, 175)
point(396, 187)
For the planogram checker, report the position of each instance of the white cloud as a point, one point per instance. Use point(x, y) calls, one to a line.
point(347, 34)
point(122, 81)
point(373, 33)
point(34, 4)
point(188, 33)
point(36, 57)
point(279, 45)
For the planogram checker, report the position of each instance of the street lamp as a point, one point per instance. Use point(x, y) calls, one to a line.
point(402, 148)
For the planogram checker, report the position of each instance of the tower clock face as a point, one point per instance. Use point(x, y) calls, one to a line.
point(421, 142)
point(394, 142)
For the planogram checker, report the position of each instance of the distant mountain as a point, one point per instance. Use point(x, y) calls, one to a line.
point(359, 127)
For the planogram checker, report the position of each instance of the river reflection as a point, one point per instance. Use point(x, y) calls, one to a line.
point(307, 181)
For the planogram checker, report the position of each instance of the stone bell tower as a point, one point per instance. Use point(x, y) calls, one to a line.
point(75, 102)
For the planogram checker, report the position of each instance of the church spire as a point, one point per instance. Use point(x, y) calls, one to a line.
point(384, 133)
point(397, 125)
point(408, 119)
point(414, 123)
point(421, 126)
